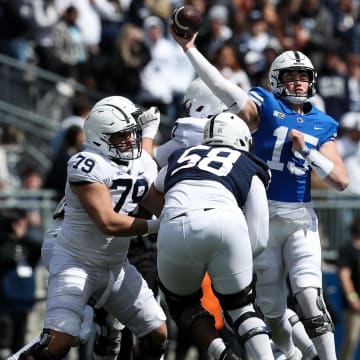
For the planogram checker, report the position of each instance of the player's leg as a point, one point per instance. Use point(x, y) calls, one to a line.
point(303, 253)
point(69, 287)
point(112, 339)
point(134, 305)
point(142, 254)
point(231, 273)
point(271, 288)
point(301, 337)
point(108, 336)
point(184, 246)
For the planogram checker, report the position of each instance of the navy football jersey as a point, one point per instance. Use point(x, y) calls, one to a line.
point(234, 169)
point(290, 172)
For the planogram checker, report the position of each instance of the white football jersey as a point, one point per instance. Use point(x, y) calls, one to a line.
point(127, 186)
point(186, 132)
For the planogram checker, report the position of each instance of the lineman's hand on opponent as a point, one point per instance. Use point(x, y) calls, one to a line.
point(149, 121)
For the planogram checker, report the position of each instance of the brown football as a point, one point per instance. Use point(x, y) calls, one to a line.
point(185, 20)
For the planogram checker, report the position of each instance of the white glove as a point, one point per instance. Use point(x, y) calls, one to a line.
point(149, 121)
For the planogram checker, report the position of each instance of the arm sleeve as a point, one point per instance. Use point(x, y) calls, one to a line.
point(257, 216)
point(162, 152)
point(232, 95)
point(159, 182)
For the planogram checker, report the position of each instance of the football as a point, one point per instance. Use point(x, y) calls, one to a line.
point(185, 20)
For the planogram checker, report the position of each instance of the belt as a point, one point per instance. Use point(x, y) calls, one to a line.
point(186, 213)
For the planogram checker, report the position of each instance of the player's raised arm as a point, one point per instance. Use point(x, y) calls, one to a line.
point(235, 98)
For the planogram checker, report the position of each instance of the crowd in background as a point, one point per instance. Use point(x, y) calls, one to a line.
point(123, 47)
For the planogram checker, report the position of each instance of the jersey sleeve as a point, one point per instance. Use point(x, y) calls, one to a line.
point(150, 166)
point(87, 167)
point(185, 132)
point(162, 152)
point(257, 216)
point(159, 182)
point(258, 95)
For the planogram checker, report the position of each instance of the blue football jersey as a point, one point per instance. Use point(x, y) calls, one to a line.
point(291, 180)
point(234, 169)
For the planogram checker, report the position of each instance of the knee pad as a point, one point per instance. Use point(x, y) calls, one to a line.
point(238, 301)
point(256, 330)
point(292, 317)
point(39, 350)
point(148, 348)
point(320, 324)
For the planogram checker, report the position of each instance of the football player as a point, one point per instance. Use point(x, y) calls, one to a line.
point(294, 138)
point(204, 229)
point(106, 183)
point(200, 104)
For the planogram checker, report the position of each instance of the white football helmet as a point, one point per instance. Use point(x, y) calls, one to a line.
point(115, 114)
point(200, 102)
point(287, 61)
point(227, 129)
point(120, 101)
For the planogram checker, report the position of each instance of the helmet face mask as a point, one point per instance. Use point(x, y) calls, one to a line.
point(200, 102)
point(126, 144)
point(111, 129)
point(290, 61)
point(227, 129)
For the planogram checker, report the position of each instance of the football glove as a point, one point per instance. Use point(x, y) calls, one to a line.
point(149, 121)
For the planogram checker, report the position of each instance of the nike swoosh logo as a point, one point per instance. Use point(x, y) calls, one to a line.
point(317, 128)
point(141, 172)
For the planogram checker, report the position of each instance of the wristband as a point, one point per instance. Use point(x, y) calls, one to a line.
point(352, 297)
point(321, 165)
point(153, 225)
point(149, 132)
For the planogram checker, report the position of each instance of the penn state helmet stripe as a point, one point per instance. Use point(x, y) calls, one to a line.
point(297, 56)
point(122, 111)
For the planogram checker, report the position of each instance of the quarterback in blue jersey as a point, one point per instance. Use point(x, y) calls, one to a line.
point(214, 203)
point(294, 138)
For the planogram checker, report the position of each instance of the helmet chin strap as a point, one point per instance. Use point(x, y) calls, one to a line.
point(296, 99)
